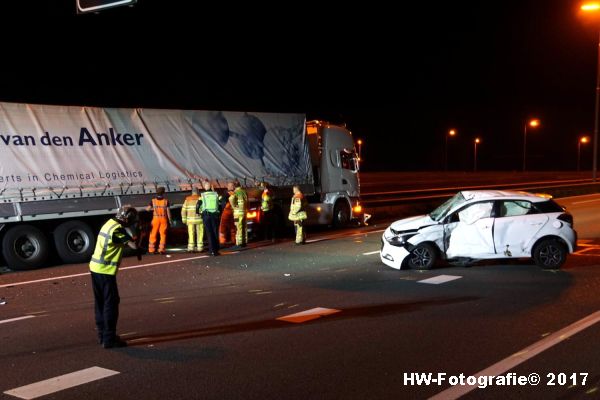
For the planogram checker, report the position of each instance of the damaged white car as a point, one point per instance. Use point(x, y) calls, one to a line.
point(483, 224)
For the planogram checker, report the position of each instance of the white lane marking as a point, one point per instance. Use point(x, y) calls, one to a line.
point(59, 383)
point(436, 280)
point(371, 252)
point(578, 196)
point(16, 319)
point(521, 356)
point(342, 236)
point(56, 278)
point(308, 315)
point(586, 201)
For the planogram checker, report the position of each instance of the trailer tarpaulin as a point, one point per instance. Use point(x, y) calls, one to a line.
point(45, 147)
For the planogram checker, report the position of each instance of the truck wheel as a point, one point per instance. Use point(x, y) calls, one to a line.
point(341, 214)
point(550, 254)
point(74, 241)
point(25, 247)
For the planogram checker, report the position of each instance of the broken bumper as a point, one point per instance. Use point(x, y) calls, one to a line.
point(392, 256)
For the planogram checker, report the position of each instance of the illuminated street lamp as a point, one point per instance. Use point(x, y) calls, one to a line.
point(534, 123)
point(583, 139)
point(451, 132)
point(593, 8)
point(475, 143)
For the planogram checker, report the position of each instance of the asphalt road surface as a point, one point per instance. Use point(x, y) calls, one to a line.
point(322, 321)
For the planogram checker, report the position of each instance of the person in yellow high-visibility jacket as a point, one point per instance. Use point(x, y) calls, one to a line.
point(193, 220)
point(239, 204)
point(266, 206)
point(298, 214)
point(161, 219)
point(104, 265)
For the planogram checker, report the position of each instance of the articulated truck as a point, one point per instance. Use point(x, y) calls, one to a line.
point(64, 169)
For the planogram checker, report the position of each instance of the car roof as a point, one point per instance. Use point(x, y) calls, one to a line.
point(474, 195)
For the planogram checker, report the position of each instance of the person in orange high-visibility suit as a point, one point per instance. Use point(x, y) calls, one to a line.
point(227, 226)
point(161, 219)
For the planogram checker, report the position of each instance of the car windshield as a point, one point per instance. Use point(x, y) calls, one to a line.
point(442, 210)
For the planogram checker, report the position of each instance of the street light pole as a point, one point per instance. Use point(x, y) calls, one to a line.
point(524, 147)
point(451, 132)
point(592, 9)
point(583, 139)
point(475, 142)
point(578, 155)
point(533, 123)
point(596, 111)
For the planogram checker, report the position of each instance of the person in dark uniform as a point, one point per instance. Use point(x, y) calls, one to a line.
point(208, 206)
point(104, 265)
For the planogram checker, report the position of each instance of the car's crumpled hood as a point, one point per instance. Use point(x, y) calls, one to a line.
point(412, 223)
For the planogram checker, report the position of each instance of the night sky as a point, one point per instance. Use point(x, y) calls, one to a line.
point(400, 79)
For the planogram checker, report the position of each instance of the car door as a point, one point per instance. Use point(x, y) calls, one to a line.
point(469, 231)
point(516, 224)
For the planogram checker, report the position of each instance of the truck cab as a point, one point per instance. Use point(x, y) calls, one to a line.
point(335, 167)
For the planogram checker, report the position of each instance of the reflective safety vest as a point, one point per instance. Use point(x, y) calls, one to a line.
point(239, 202)
point(298, 208)
point(210, 201)
point(267, 201)
point(107, 255)
point(188, 211)
point(160, 207)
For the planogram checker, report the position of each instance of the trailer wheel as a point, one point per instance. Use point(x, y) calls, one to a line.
point(74, 241)
point(341, 214)
point(25, 247)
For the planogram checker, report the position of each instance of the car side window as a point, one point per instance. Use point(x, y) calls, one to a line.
point(475, 212)
point(452, 218)
point(515, 208)
point(348, 159)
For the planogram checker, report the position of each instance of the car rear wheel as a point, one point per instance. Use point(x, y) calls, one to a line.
point(550, 254)
point(422, 256)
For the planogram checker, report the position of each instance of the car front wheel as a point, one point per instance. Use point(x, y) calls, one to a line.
point(550, 254)
point(422, 256)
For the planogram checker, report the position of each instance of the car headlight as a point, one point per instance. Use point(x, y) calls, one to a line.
point(399, 240)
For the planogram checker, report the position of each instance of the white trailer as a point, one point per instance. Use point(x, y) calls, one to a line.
point(65, 169)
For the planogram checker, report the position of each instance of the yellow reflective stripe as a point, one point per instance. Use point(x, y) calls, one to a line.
point(159, 210)
point(111, 263)
point(106, 258)
point(106, 236)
